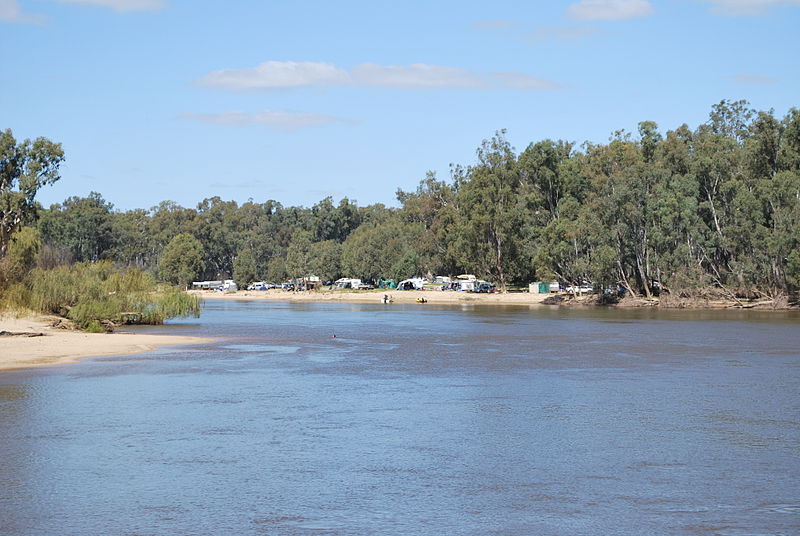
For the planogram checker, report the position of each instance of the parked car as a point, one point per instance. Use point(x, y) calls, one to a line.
point(584, 288)
point(486, 288)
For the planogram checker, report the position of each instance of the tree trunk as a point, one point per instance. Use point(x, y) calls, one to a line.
point(625, 279)
point(498, 261)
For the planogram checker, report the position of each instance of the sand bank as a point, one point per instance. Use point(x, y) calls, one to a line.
point(376, 296)
point(511, 298)
point(58, 346)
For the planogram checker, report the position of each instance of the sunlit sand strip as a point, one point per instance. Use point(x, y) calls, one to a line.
point(377, 296)
point(58, 346)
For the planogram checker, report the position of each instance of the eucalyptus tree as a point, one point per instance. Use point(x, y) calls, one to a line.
point(182, 260)
point(542, 166)
point(434, 207)
point(166, 220)
point(219, 228)
point(326, 260)
point(323, 217)
point(675, 236)
point(489, 213)
point(574, 248)
point(772, 155)
point(621, 183)
point(133, 244)
point(245, 270)
point(383, 250)
point(84, 225)
point(25, 167)
point(299, 255)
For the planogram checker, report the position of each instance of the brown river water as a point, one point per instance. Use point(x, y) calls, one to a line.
point(416, 420)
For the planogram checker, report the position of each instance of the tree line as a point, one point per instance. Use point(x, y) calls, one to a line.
point(689, 212)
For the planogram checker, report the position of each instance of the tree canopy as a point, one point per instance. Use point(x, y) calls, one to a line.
point(182, 260)
point(24, 168)
point(684, 212)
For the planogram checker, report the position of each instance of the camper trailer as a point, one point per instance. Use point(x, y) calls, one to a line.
point(207, 285)
point(347, 283)
point(229, 285)
point(415, 283)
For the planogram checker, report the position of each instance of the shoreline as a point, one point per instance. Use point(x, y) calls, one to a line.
point(376, 296)
point(31, 342)
point(460, 298)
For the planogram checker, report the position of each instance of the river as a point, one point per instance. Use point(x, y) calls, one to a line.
point(354, 419)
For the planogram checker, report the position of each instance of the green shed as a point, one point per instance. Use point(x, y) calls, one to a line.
point(539, 287)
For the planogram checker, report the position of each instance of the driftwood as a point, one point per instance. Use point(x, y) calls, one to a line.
point(20, 334)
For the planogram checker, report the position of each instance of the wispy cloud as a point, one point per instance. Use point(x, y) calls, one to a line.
point(610, 9)
point(122, 6)
point(416, 76)
point(524, 82)
point(276, 74)
point(562, 33)
point(747, 7)
point(11, 12)
point(753, 79)
point(279, 120)
point(290, 74)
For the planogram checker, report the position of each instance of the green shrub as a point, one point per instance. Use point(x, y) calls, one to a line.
point(94, 295)
point(95, 327)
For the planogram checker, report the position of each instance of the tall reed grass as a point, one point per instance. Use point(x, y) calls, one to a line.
point(99, 295)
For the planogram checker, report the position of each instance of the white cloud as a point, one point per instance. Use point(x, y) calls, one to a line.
point(276, 74)
point(290, 74)
point(122, 5)
point(280, 120)
point(753, 79)
point(11, 12)
point(610, 9)
point(524, 82)
point(748, 7)
point(416, 76)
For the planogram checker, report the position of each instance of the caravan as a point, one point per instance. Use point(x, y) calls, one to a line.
point(229, 285)
point(348, 283)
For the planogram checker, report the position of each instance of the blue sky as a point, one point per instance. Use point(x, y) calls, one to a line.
point(186, 99)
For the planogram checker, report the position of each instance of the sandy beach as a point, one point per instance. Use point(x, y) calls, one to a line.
point(18, 349)
point(510, 298)
point(376, 296)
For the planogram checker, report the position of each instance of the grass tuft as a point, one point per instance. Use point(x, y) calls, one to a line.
point(97, 296)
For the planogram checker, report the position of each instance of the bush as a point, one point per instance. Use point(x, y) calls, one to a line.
point(96, 295)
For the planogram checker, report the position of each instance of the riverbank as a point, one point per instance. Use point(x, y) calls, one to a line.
point(32, 341)
point(511, 298)
point(377, 296)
